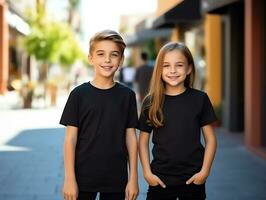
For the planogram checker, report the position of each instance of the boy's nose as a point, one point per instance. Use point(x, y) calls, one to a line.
point(107, 59)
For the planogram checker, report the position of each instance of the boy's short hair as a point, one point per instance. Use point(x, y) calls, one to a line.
point(108, 35)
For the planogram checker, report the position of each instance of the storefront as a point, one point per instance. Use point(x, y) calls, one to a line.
point(243, 67)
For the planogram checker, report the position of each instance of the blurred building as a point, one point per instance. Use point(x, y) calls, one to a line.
point(144, 38)
point(15, 62)
point(227, 40)
point(241, 25)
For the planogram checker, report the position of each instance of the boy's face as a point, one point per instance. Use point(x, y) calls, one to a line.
point(106, 58)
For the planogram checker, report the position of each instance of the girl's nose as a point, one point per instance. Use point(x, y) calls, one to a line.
point(172, 69)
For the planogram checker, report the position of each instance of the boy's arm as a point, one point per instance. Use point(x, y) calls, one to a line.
point(210, 149)
point(132, 148)
point(70, 190)
point(145, 160)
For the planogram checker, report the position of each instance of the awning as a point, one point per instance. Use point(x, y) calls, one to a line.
point(210, 6)
point(185, 12)
point(145, 35)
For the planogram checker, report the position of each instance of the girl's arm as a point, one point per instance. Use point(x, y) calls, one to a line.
point(132, 148)
point(210, 149)
point(144, 153)
point(70, 190)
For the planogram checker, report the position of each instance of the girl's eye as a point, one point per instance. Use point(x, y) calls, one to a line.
point(100, 54)
point(166, 65)
point(115, 55)
point(180, 65)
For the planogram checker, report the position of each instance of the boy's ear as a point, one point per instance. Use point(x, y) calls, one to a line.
point(90, 59)
point(121, 61)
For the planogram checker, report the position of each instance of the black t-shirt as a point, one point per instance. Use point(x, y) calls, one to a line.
point(102, 117)
point(177, 151)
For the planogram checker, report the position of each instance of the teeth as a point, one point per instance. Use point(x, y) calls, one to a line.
point(107, 67)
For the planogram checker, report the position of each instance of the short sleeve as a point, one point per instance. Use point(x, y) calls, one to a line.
point(207, 114)
point(132, 117)
point(143, 124)
point(70, 112)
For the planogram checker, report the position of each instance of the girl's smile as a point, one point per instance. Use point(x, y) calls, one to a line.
point(175, 69)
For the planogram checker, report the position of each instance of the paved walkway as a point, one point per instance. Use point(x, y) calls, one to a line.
point(31, 160)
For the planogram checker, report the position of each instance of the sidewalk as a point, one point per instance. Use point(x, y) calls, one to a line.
point(31, 160)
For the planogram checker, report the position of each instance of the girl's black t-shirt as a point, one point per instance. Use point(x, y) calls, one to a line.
point(102, 117)
point(177, 150)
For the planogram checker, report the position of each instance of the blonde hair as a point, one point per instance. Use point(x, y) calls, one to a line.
point(156, 93)
point(108, 35)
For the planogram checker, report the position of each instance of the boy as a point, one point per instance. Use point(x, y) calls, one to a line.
point(100, 118)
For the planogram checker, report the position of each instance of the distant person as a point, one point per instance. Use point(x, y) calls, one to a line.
point(127, 75)
point(143, 76)
point(100, 117)
point(176, 114)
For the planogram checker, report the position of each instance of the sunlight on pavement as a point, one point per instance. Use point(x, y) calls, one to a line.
point(13, 148)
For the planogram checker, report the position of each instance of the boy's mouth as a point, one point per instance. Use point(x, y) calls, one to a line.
point(107, 67)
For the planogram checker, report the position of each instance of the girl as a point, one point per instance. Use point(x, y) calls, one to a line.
point(176, 113)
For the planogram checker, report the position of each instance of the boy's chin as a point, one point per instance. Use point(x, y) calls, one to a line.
point(107, 74)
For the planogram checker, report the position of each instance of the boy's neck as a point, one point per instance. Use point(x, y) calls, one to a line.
point(102, 83)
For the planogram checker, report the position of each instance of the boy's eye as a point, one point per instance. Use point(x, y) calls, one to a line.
point(99, 54)
point(180, 65)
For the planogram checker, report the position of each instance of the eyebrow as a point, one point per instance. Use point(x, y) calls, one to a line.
point(98, 51)
point(179, 62)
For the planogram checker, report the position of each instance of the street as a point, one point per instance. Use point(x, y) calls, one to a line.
point(31, 160)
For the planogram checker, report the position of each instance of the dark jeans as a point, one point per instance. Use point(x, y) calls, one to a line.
point(103, 196)
point(182, 192)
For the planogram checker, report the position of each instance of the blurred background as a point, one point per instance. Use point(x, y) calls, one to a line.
point(43, 56)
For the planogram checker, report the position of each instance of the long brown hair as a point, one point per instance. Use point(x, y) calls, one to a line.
point(157, 87)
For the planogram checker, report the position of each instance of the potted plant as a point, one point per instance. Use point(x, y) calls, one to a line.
point(27, 92)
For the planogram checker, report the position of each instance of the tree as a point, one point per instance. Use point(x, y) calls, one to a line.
point(51, 42)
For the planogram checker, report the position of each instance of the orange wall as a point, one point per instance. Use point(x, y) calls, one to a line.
point(165, 5)
point(3, 48)
point(213, 57)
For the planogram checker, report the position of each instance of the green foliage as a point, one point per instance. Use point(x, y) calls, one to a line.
point(70, 51)
point(52, 42)
point(151, 49)
point(74, 3)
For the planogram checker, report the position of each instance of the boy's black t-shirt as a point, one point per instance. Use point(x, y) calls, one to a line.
point(177, 151)
point(102, 116)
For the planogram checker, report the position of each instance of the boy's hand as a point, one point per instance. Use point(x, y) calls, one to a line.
point(70, 190)
point(154, 180)
point(198, 178)
point(132, 190)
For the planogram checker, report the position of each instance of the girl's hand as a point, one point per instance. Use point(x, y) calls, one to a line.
point(154, 180)
point(132, 190)
point(198, 178)
point(70, 190)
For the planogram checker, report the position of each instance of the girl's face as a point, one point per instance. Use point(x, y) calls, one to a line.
point(175, 69)
point(106, 58)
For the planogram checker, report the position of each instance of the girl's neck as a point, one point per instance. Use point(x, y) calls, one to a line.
point(175, 90)
point(102, 83)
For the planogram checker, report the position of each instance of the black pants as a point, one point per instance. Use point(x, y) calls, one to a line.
point(182, 192)
point(103, 196)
